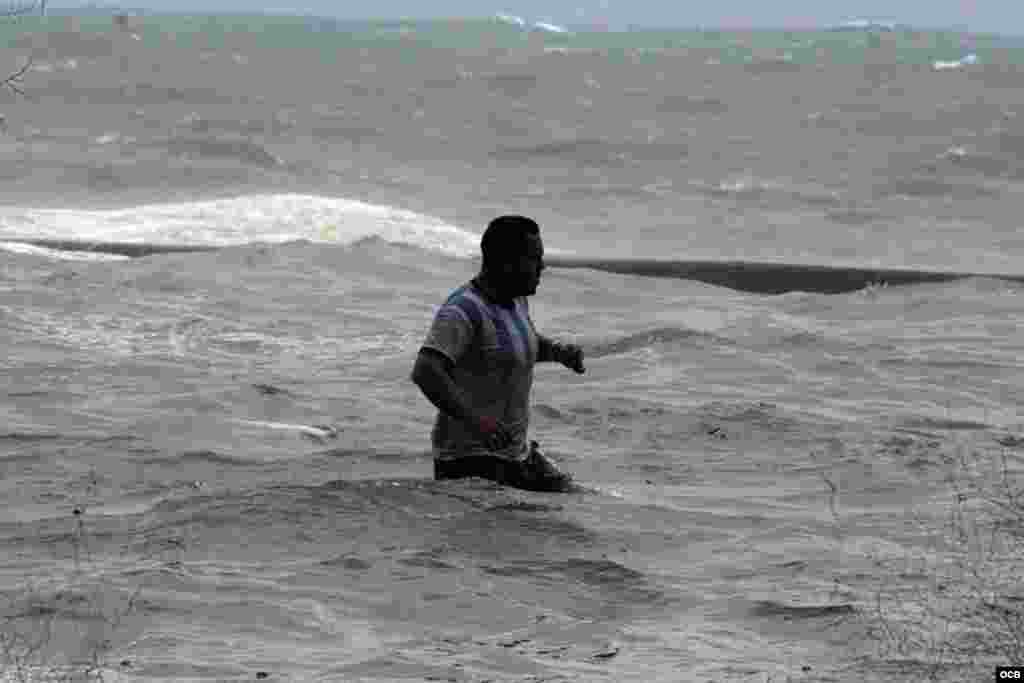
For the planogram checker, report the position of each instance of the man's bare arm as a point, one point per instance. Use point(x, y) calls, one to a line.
point(569, 355)
point(547, 350)
point(432, 374)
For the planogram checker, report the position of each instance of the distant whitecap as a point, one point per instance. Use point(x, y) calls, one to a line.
point(510, 19)
point(863, 25)
point(550, 28)
point(957, 64)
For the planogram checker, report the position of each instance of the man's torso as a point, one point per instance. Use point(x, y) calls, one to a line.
point(495, 347)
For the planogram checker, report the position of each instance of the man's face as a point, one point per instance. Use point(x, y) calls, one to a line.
point(523, 274)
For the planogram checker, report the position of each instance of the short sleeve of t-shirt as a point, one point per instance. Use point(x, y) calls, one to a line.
point(451, 332)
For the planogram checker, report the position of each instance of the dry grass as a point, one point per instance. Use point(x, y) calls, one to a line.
point(958, 609)
point(70, 625)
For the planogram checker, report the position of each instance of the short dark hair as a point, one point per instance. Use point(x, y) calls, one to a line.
point(505, 238)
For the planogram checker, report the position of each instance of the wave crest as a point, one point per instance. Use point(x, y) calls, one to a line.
point(595, 152)
point(240, 150)
point(650, 338)
point(194, 226)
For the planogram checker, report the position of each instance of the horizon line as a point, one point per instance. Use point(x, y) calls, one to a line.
point(844, 26)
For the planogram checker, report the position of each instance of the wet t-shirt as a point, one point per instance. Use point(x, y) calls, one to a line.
point(493, 348)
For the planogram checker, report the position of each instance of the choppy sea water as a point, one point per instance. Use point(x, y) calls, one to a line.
point(249, 459)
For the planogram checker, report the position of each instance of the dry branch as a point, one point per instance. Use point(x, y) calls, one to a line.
point(13, 82)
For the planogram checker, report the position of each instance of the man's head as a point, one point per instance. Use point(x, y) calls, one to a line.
point(513, 255)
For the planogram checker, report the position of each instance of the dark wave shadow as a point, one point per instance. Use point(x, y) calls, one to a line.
point(240, 150)
point(770, 278)
point(778, 610)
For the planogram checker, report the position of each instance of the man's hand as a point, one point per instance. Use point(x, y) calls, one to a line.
point(496, 435)
point(571, 356)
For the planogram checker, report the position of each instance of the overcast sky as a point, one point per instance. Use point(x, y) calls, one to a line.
point(1005, 16)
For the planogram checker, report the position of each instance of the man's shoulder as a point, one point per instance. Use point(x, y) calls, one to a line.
point(464, 302)
point(463, 291)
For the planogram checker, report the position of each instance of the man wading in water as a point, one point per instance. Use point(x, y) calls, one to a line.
point(476, 365)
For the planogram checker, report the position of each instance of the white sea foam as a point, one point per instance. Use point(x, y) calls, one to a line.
point(21, 248)
point(240, 220)
point(958, 64)
point(550, 28)
point(510, 19)
point(864, 25)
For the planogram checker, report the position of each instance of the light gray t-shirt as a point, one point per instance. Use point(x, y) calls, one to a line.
point(493, 348)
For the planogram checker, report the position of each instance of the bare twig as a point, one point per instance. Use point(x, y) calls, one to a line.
point(832, 496)
point(14, 81)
